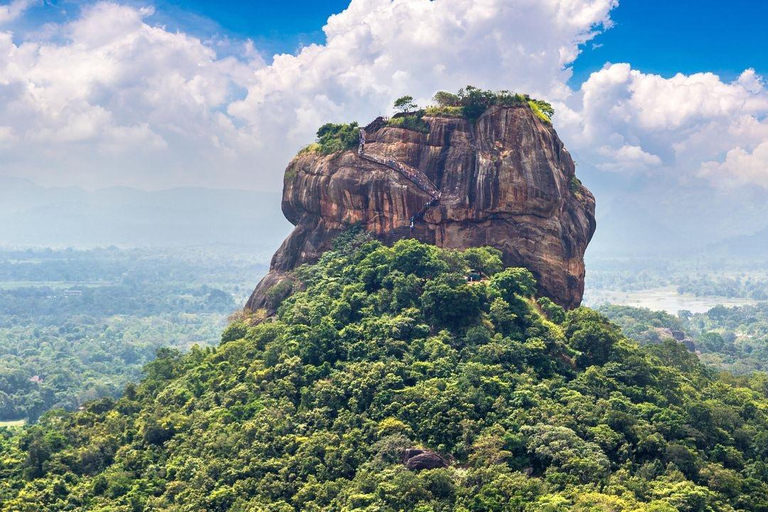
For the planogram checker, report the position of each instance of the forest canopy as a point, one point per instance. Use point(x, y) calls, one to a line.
point(79, 324)
point(382, 349)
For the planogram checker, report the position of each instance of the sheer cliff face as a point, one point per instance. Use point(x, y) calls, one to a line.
point(505, 181)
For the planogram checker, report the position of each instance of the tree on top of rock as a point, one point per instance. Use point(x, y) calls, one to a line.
point(405, 105)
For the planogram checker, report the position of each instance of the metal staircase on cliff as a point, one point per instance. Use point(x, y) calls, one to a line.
point(415, 176)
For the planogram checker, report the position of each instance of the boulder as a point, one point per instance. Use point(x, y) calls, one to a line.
point(417, 460)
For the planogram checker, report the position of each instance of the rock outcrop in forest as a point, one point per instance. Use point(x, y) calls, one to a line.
point(503, 180)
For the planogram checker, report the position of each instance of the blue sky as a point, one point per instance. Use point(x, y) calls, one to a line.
point(656, 36)
point(276, 26)
point(682, 36)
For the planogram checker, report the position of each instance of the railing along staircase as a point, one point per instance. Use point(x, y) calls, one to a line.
point(415, 176)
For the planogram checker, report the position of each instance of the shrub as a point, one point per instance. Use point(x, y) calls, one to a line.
point(471, 102)
point(447, 99)
point(412, 121)
point(337, 137)
point(553, 312)
point(277, 294)
point(444, 111)
point(448, 301)
point(542, 109)
point(310, 148)
point(575, 185)
point(514, 281)
point(486, 260)
point(235, 331)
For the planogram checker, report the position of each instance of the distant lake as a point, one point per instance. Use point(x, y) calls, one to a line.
point(661, 299)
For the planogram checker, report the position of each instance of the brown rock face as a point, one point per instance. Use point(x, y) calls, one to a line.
point(418, 460)
point(505, 181)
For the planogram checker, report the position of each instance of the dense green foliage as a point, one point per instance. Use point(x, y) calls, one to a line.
point(390, 348)
point(78, 325)
point(411, 121)
point(405, 104)
point(728, 338)
point(332, 138)
point(471, 102)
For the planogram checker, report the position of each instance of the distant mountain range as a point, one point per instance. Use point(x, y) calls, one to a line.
point(33, 215)
point(753, 246)
point(675, 221)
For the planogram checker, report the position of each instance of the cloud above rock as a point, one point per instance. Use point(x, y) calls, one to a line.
point(112, 98)
point(739, 168)
point(13, 10)
point(626, 121)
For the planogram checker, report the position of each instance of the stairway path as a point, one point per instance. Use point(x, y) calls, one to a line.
point(415, 176)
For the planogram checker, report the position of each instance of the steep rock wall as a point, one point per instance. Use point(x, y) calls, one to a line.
point(505, 180)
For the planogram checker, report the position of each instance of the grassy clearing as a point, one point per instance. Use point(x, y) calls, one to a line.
point(14, 423)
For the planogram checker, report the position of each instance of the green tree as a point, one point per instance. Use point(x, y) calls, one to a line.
point(405, 104)
point(447, 99)
point(333, 138)
point(512, 282)
point(592, 335)
point(379, 350)
point(448, 301)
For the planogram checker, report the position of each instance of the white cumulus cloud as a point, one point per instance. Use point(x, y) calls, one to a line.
point(14, 9)
point(628, 121)
point(740, 168)
point(111, 98)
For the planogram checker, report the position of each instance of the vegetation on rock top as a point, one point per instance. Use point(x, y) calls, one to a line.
point(410, 121)
point(469, 103)
point(332, 138)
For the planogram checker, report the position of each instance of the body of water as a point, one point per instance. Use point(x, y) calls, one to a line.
point(660, 299)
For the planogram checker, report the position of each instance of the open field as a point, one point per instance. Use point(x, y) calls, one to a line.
point(16, 423)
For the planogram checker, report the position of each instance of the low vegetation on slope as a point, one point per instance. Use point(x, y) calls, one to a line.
point(386, 349)
point(470, 103)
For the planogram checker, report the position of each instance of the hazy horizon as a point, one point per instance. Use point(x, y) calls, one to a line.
point(674, 144)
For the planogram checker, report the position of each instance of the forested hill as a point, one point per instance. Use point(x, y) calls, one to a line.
point(381, 350)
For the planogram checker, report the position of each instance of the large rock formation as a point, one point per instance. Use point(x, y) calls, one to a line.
point(505, 180)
